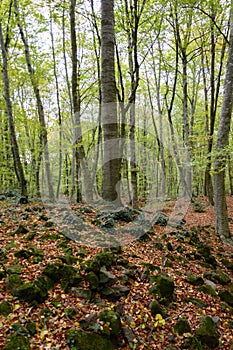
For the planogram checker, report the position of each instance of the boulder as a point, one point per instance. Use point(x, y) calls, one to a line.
point(79, 339)
point(164, 287)
point(112, 320)
point(207, 334)
point(156, 308)
point(217, 276)
point(182, 326)
point(93, 280)
point(195, 280)
point(5, 308)
point(226, 296)
point(17, 341)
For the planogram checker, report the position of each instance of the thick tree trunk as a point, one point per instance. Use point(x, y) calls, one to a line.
point(112, 156)
point(220, 205)
point(16, 156)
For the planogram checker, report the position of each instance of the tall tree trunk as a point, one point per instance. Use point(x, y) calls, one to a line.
point(40, 108)
point(17, 161)
point(80, 156)
point(112, 156)
point(220, 205)
point(58, 107)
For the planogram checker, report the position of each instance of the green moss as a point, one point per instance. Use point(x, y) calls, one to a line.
point(207, 290)
point(17, 342)
point(92, 279)
point(182, 326)
point(207, 333)
point(80, 340)
point(111, 319)
point(5, 308)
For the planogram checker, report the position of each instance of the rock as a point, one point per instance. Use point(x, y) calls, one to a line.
point(91, 265)
point(204, 250)
point(93, 280)
point(160, 218)
point(112, 319)
point(5, 308)
point(106, 277)
point(58, 271)
point(228, 264)
point(13, 282)
point(104, 259)
point(79, 339)
point(211, 284)
point(207, 333)
point(144, 237)
point(156, 308)
point(217, 276)
point(2, 274)
point(226, 296)
point(31, 328)
point(17, 341)
point(195, 280)
point(198, 302)
point(124, 214)
point(20, 230)
point(114, 293)
point(35, 291)
point(23, 253)
point(165, 286)
point(82, 293)
point(70, 312)
point(128, 334)
point(207, 290)
point(13, 269)
point(182, 326)
point(89, 322)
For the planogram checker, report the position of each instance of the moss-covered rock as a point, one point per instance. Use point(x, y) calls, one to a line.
point(207, 333)
point(23, 253)
point(226, 296)
point(91, 265)
point(13, 282)
point(156, 308)
point(104, 259)
point(93, 280)
point(81, 340)
point(112, 320)
point(31, 328)
point(114, 293)
point(20, 230)
point(35, 291)
point(227, 263)
point(195, 280)
point(5, 308)
point(17, 342)
point(59, 271)
point(2, 274)
point(106, 277)
point(217, 276)
point(164, 287)
point(70, 312)
point(182, 326)
point(14, 269)
point(207, 290)
point(204, 250)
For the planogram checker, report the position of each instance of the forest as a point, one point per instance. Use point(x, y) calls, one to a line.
point(116, 174)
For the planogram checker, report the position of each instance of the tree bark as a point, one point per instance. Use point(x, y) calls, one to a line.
point(15, 149)
point(112, 156)
point(220, 205)
point(40, 108)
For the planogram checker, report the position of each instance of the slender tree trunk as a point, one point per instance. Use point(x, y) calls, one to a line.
point(58, 107)
point(16, 156)
point(40, 108)
point(220, 205)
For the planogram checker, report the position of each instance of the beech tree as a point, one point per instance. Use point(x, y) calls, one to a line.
point(221, 152)
point(112, 157)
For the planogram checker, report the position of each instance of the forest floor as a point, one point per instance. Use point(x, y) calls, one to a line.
point(30, 241)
